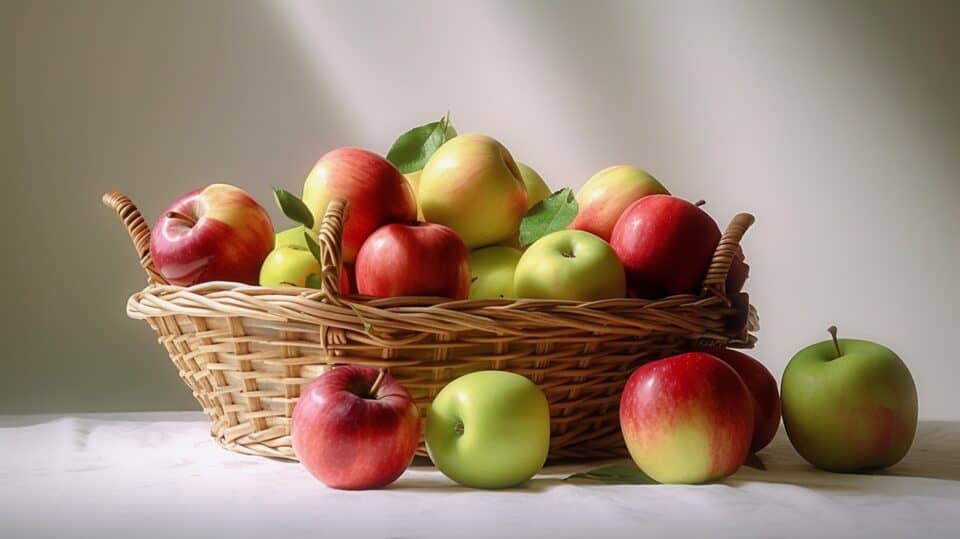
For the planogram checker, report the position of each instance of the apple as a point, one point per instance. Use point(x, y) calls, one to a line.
point(738, 274)
point(216, 233)
point(763, 389)
point(666, 245)
point(687, 418)
point(355, 428)
point(569, 264)
point(537, 189)
point(489, 429)
point(293, 237)
point(423, 259)
point(849, 405)
point(413, 178)
point(608, 193)
point(493, 269)
point(375, 191)
point(472, 185)
point(288, 266)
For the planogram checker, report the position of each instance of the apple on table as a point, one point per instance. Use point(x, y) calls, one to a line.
point(355, 428)
point(569, 264)
point(763, 389)
point(849, 405)
point(489, 429)
point(608, 193)
point(216, 233)
point(473, 185)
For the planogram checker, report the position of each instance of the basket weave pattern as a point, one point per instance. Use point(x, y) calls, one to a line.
point(247, 351)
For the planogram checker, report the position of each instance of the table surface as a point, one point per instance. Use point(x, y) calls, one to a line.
point(161, 475)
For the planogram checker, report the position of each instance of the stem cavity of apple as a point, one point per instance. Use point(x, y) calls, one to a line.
point(832, 330)
point(458, 427)
point(376, 383)
point(182, 217)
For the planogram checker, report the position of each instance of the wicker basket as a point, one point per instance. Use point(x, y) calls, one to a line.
point(246, 351)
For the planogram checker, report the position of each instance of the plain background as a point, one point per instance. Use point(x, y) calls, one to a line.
point(836, 123)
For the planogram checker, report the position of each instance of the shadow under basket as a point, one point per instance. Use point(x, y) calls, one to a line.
point(246, 351)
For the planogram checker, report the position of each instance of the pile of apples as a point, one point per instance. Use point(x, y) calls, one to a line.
point(455, 216)
point(465, 221)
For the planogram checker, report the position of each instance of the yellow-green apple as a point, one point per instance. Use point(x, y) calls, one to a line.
point(687, 418)
point(288, 266)
point(537, 189)
point(666, 245)
point(569, 264)
point(422, 259)
point(413, 178)
point(493, 269)
point(849, 405)
point(216, 233)
point(294, 237)
point(472, 185)
point(355, 428)
point(375, 191)
point(489, 429)
point(608, 193)
point(763, 388)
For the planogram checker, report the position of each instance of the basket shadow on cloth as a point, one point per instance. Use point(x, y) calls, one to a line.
point(247, 351)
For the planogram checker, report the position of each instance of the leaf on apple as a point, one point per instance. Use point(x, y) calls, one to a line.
point(412, 149)
point(314, 281)
point(293, 207)
point(549, 215)
point(314, 247)
point(615, 474)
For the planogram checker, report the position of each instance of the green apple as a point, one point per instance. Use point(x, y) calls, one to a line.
point(849, 405)
point(413, 178)
point(570, 264)
point(489, 429)
point(472, 185)
point(293, 237)
point(288, 265)
point(608, 193)
point(492, 269)
point(537, 189)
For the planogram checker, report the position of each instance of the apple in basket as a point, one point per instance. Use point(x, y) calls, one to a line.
point(687, 418)
point(493, 269)
point(423, 259)
point(666, 245)
point(355, 428)
point(537, 189)
point(572, 265)
point(217, 233)
point(608, 193)
point(375, 191)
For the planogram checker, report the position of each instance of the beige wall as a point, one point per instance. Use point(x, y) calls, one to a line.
point(837, 124)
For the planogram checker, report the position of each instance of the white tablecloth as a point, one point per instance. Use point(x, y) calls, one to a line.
point(161, 475)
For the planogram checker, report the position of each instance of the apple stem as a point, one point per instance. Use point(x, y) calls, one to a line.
point(182, 217)
point(699, 203)
point(377, 382)
point(836, 344)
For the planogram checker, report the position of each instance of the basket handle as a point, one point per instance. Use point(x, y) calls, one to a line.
point(716, 279)
point(330, 240)
point(138, 229)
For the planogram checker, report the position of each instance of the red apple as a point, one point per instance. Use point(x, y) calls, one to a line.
point(763, 388)
point(375, 191)
point(353, 428)
point(687, 418)
point(666, 245)
point(423, 259)
point(739, 271)
point(217, 233)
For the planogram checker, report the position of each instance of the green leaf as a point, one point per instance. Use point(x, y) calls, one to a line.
point(412, 149)
point(616, 474)
point(314, 247)
point(293, 207)
point(549, 215)
point(314, 281)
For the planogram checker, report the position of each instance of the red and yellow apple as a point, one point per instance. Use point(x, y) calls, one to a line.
point(666, 245)
point(216, 233)
point(687, 418)
point(763, 388)
point(569, 264)
point(537, 189)
point(423, 259)
point(608, 193)
point(355, 428)
point(375, 191)
point(472, 185)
